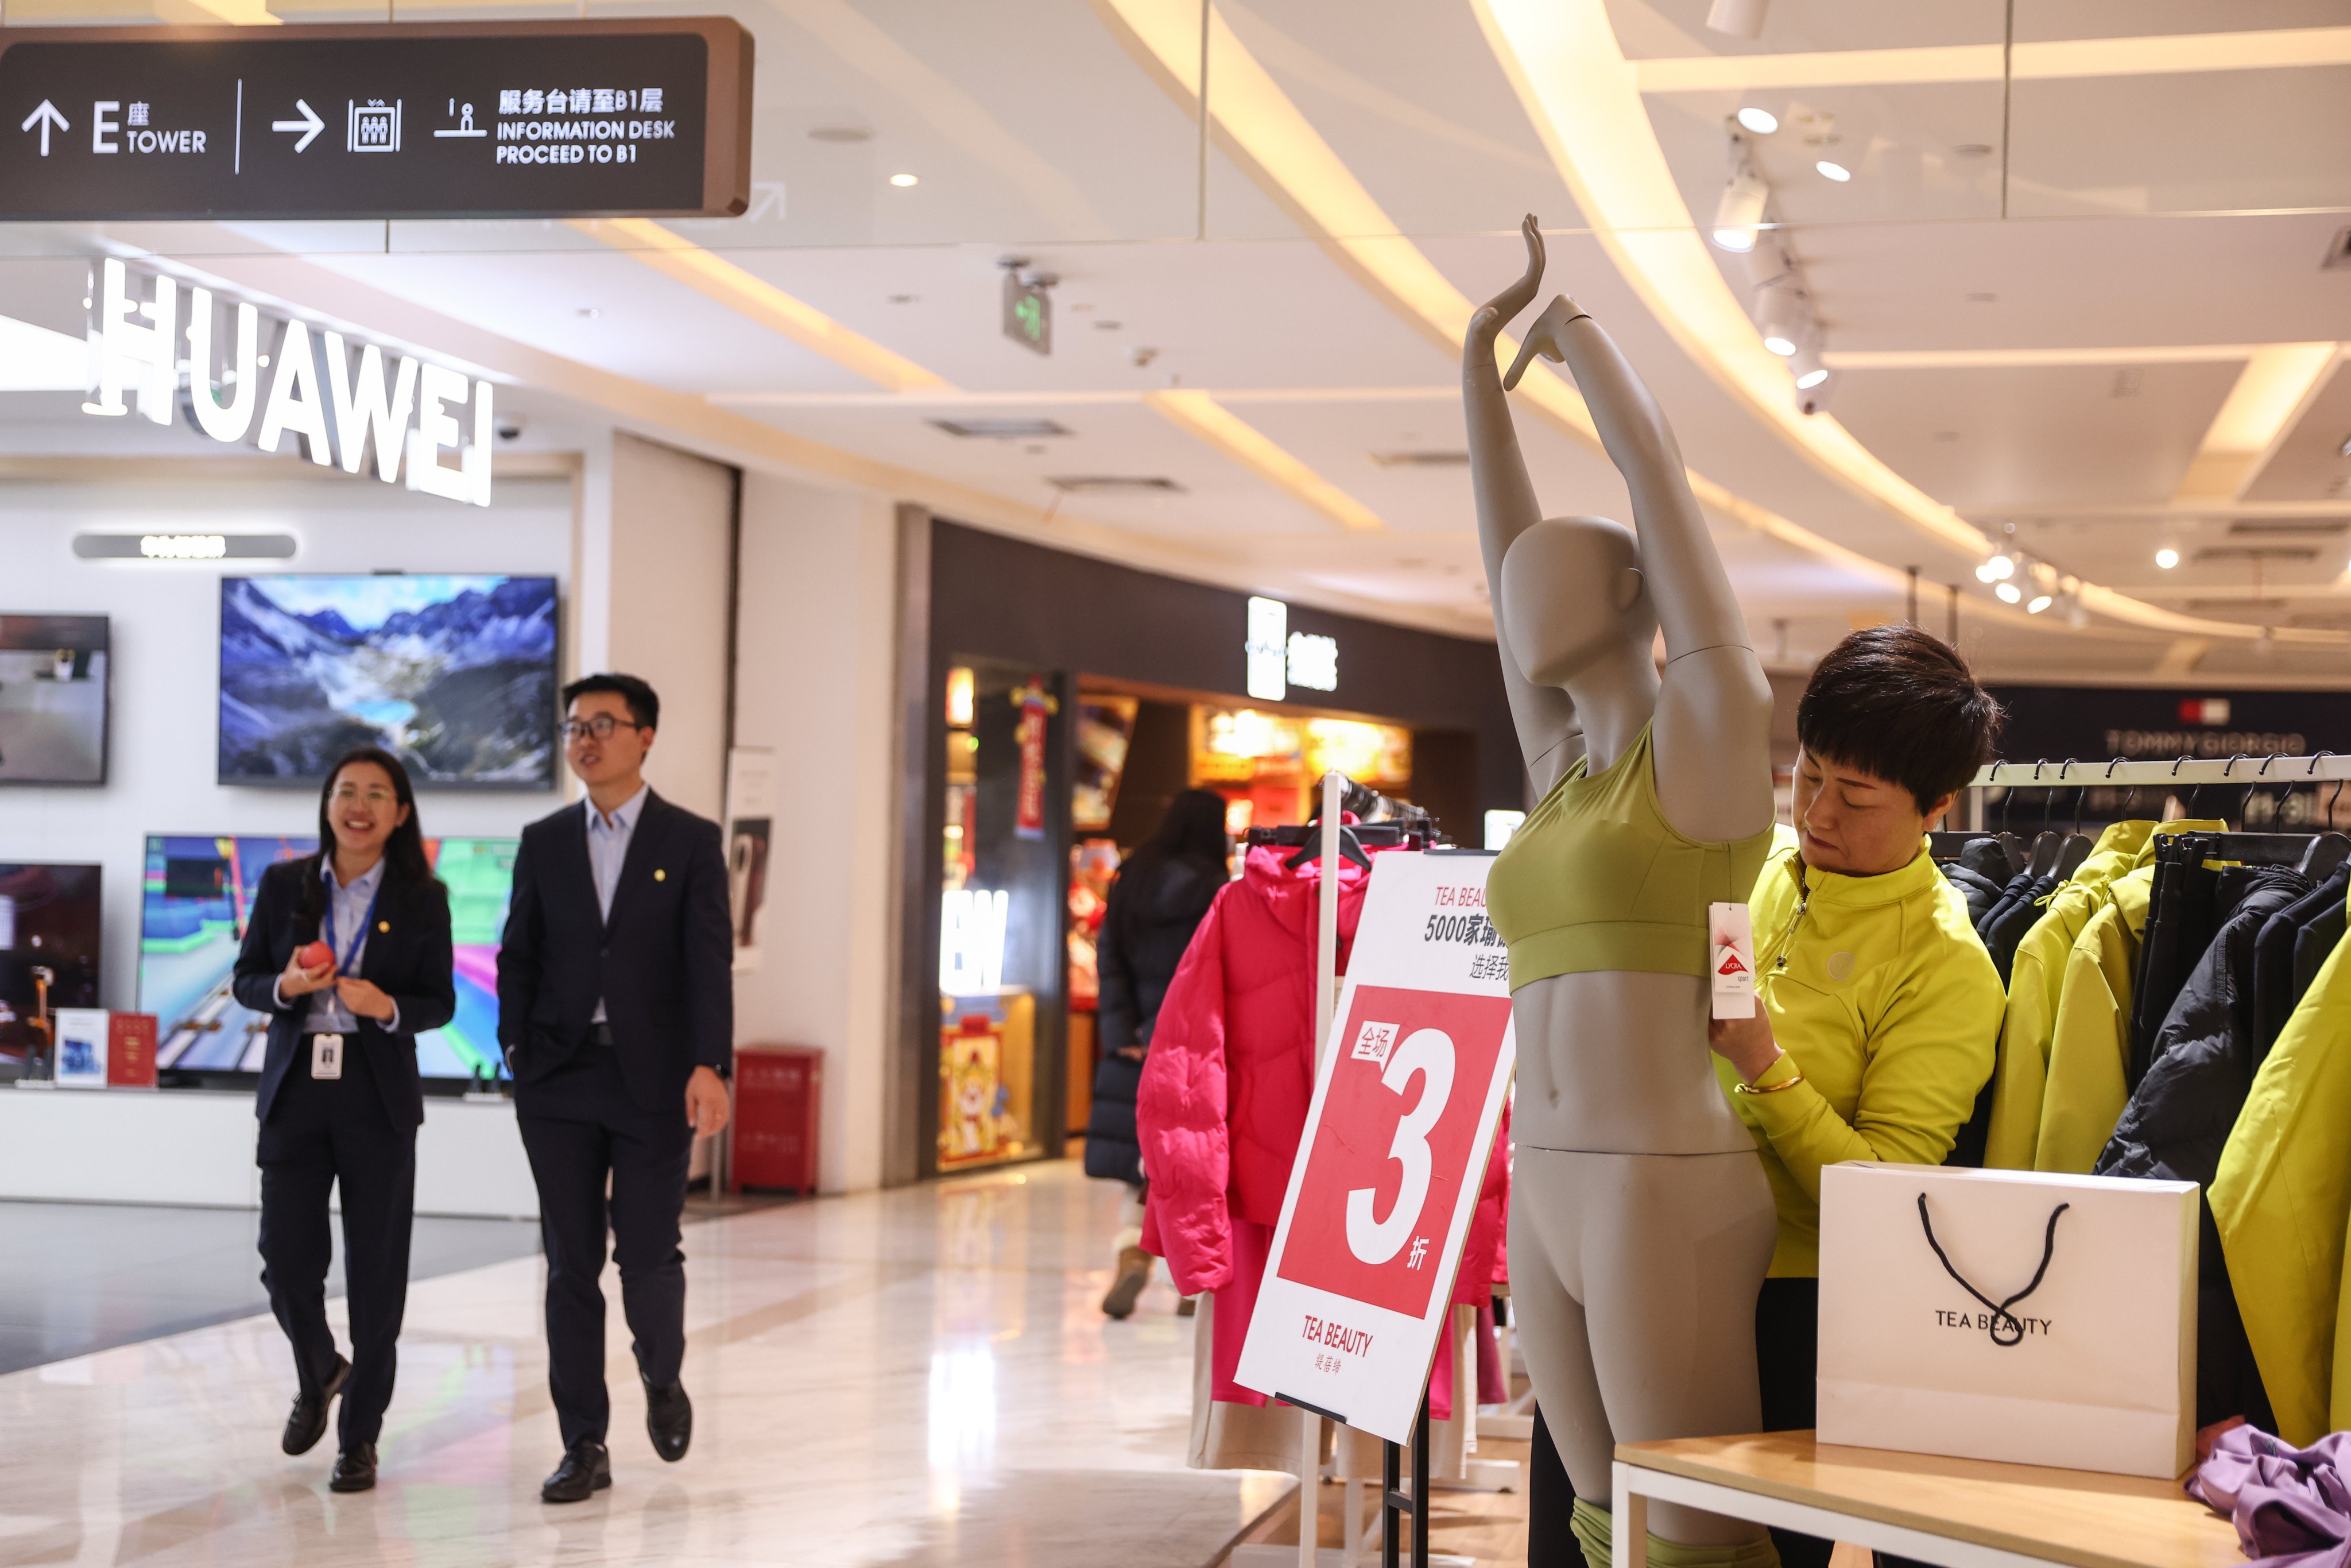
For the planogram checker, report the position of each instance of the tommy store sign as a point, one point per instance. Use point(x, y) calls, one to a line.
point(242, 377)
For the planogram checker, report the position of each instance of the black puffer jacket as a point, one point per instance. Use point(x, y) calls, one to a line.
point(1154, 908)
point(2179, 1118)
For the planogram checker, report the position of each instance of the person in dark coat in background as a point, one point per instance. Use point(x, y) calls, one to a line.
point(1164, 890)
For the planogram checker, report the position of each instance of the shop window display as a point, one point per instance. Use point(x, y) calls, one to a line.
point(1266, 763)
point(1002, 947)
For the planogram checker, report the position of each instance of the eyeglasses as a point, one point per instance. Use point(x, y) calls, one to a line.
point(601, 727)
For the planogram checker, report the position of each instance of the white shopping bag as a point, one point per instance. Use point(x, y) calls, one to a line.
point(2055, 1326)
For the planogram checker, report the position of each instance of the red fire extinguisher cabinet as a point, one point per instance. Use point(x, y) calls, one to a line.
point(778, 1090)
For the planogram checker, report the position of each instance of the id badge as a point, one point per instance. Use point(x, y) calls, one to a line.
point(326, 1057)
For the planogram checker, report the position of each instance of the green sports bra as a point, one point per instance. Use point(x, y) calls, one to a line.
point(1595, 878)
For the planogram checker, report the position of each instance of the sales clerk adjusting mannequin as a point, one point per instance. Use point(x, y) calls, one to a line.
point(1641, 1223)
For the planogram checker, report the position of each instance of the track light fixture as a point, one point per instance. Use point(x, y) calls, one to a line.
point(1739, 18)
point(1782, 316)
point(1764, 122)
point(1805, 364)
point(2039, 602)
point(1998, 566)
point(1738, 215)
point(2009, 592)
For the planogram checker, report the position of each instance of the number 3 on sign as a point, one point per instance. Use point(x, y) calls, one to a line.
point(1427, 1054)
point(1370, 1225)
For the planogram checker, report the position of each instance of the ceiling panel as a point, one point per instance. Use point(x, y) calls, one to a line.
point(2313, 462)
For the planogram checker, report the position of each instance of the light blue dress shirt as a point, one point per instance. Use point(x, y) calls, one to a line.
point(608, 852)
point(347, 914)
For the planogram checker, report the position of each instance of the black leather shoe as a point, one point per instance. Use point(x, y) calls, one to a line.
point(306, 1422)
point(354, 1470)
point(587, 1468)
point(669, 1420)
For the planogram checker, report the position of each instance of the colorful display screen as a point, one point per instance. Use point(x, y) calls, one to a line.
point(195, 900)
point(453, 676)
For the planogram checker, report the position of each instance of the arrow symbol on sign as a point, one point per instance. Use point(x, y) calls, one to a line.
point(309, 125)
point(44, 117)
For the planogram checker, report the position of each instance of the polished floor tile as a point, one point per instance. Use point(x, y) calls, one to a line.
point(919, 1377)
point(81, 1277)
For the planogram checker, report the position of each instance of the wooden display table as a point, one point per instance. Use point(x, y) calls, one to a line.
point(1966, 1513)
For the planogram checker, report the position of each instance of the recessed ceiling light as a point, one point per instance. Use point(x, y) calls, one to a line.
point(588, 312)
point(1836, 171)
point(1005, 429)
point(1762, 121)
point(2167, 557)
point(842, 133)
point(2009, 592)
point(902, 181)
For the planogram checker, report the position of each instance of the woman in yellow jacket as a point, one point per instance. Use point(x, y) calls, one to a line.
point(1881, 1008)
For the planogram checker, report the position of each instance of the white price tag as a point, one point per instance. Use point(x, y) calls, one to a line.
point(1730, 963)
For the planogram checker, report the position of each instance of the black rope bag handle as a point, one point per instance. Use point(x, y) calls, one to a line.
point(2001, 1316)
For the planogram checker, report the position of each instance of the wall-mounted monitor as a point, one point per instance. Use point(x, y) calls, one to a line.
point(53, 672)
point(453, 676)
point(48, 951)
point(194, 900)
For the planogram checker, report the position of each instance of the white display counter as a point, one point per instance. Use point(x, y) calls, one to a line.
point(194, 1148)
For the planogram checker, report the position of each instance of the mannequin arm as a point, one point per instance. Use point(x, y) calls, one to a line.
point(1507, 507)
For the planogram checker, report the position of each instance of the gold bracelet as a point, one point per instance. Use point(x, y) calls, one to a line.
point(1774, 1089)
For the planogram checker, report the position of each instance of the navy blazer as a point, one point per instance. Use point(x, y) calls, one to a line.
point(407, 957)
point(664, 964)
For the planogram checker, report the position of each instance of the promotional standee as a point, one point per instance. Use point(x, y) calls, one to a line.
point(1398, 1138)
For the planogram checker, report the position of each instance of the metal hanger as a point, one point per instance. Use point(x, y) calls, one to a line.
point(2130, 796)
point(2328, 848)
point(2077, 845)
point(2046, 843)
point(2011, 845)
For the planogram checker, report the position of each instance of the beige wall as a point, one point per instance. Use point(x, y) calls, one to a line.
point(666, 589)
point(814, 673)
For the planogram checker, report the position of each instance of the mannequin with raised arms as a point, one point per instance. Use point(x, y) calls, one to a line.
point(1641, 1223)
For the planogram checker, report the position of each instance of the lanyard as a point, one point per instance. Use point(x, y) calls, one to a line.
point(358, 937)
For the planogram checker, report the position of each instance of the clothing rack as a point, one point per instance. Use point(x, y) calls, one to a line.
point(2272, 773)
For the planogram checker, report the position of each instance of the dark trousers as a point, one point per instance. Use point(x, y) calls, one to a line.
point(319, 1135)
point(1787, 1361)
point(579, 1127)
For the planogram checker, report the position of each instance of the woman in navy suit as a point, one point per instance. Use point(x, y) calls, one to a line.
point(347, 954)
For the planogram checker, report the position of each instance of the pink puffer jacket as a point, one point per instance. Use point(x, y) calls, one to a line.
point(1231, 1071)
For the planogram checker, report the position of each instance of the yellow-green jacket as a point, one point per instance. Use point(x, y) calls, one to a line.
point(2282, 1199)
point(1883, 998)
point(2089, 1038)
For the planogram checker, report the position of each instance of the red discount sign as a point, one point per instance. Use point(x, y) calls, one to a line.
point(1394, 1145)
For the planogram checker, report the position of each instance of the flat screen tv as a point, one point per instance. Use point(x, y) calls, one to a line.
point(453, 676)
point(53, 672)
point(48, 951)
point(194, 901)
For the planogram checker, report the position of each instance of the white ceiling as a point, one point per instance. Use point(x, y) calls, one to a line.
point(2165, 212)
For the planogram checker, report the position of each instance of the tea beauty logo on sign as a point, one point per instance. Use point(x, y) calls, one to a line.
point(247, 382)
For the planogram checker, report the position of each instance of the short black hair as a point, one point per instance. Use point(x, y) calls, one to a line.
point(644, 707)
point(1899, 703)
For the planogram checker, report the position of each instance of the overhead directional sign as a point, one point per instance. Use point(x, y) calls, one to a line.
point(635, 116)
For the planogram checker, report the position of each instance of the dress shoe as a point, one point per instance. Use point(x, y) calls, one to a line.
point(306, 1422)
point(669, 1420)
point(587, 1468)
point(354, 1470)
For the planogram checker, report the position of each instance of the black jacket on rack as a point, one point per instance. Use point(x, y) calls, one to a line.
point(2184, 911)
point(1980, 891)
point(2006, 926)
point(2311, 948)
point(2179, 1118)
point(2275, 992)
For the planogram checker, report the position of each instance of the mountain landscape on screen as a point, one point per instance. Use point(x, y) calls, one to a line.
point(453, 676)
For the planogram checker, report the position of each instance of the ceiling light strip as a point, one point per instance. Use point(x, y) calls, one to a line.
point(1562, 58)
point(2052, 60)
point(1200, 416)
point(715, 278)
point(2035, 359)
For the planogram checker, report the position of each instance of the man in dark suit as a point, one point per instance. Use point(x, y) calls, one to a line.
point(616, 1009)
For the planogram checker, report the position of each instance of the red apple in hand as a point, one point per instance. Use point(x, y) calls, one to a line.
point(316, 954)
